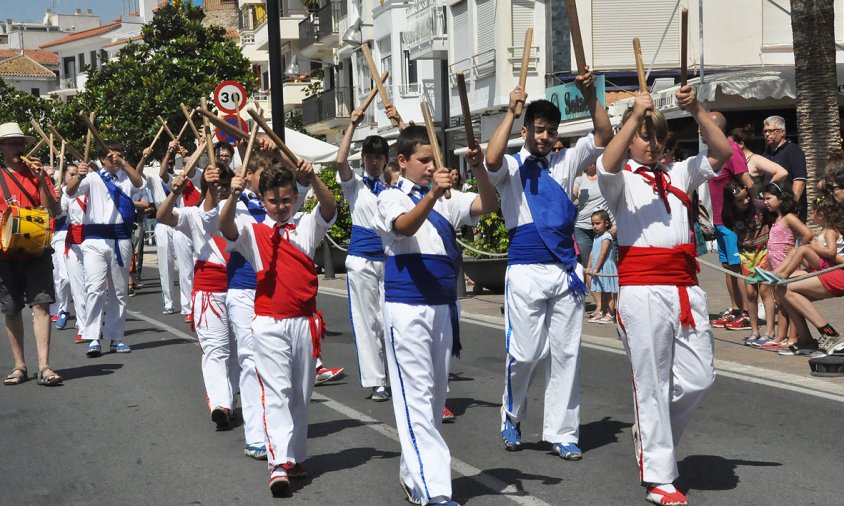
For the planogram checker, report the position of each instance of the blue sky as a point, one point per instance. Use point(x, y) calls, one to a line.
point(33, 10)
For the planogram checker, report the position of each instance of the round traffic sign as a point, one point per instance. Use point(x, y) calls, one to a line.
point(237, 121)
point(230, 96)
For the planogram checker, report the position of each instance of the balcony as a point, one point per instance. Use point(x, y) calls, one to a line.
point(327, 110)
point(477, 67)
point(289, 27)
point(426, 36)
point(411, 90)
point(319, 32)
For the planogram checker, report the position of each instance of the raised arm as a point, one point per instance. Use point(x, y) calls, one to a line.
point(486, 201)
point(327, 204)
point(48, 198)
point(616, 153)
point(163, 173)
point(497, 147)
point(408, 223)
point(600, 119)
point(228, 227)
point(719, 148)
point(342, 162)
point(165, 212)
point(73, 185)
point(133, 175)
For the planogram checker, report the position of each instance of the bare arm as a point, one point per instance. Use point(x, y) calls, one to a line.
point(165, 162)
point(797, 187)
point(830, 250)
point(798, 228)
point(719, 149)
point(497, 147)
point(133, 175)
point(747, 181)
point(487, 200)
point(73, 185)
point(228, 227)
point(342, 162)
point(165, 213)
point(600, 118)
point(602, 256)
point(770, 168)
point(408, 223)
point(48, 198)
point(327, 204)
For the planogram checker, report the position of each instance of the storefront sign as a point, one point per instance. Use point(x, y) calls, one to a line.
point(570, 101)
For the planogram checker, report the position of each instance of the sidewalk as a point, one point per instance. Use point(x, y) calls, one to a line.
point(732, 357)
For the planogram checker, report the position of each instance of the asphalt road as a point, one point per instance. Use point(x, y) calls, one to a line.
point(134, 429)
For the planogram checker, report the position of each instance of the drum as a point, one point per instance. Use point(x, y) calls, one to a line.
point(26, 231)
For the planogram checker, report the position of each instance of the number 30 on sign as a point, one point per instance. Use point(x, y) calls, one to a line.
point(230, 96)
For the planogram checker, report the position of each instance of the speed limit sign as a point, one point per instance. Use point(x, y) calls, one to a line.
point(230, 96)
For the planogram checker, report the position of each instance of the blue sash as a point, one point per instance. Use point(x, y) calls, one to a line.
point(61, 223)
point(116, 231)
point(424, 279)
point(366, 243)
point(239, 272)
point(553, 215)
point(256, 210)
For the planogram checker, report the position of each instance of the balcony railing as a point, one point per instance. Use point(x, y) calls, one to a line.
point(424, 24)
point(328, 16)
point(475, 67)
point(410, 90)
point(333, 103)
point(308, 31)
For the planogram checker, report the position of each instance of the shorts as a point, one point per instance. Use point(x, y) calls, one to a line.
point(728, 252)
point(833, 282)
point(749, 261)
point(26, 281)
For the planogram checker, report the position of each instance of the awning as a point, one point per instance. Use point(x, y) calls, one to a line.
point(309, 148)
point(512, 143)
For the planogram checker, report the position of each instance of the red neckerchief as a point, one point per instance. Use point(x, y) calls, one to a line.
point(660, 181)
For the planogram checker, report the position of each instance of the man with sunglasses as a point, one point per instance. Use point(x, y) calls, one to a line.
point(789, 155)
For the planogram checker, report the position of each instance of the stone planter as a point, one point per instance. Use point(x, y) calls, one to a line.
point(487, 273)
point(338, 258)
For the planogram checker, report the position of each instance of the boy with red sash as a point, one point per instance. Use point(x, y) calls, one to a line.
point(107, 247)
point(287, 329)
point(73, 210)
point(421, 317)
point(662, 315)
point(208, 302)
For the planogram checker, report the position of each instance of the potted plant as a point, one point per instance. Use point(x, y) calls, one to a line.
point(311, 5)
point(490, 236)
point(341, 231)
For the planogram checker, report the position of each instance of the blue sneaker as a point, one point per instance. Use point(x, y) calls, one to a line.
point(512, 435)
point(410, 494)
point(567, 451)
point(94, 350)
point(61, 321)
point(120, 347)
point(257, 452)
point(448, 503)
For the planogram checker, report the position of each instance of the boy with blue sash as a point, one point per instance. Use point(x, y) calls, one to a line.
point(544, 283)
point(107, 246)
point(421, 321)
point(365, 261)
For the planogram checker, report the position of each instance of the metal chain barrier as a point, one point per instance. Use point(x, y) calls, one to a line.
point(341, 248)
point(479, 252)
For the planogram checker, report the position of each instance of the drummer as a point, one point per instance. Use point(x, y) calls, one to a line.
point(26, 278)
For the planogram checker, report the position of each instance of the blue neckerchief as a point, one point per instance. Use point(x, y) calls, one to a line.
point(254, 206)
point(374, 184)
point(553, 215)
point(165, 188)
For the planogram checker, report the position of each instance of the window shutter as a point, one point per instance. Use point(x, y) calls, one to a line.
point(614, 24)
point(486, 25)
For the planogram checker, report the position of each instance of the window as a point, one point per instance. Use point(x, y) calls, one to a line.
point(650, 17)
point(35, 91)
point(461, 43)
point(93, 59)
point(69, 68)
point(81, 61)
point(485, 33)
point(409, 76)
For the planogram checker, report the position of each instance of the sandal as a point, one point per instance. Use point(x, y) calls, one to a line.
point(752, 339)
point(17, 376)
point(49, 380)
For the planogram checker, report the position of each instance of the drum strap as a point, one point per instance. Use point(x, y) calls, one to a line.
point(9, 197)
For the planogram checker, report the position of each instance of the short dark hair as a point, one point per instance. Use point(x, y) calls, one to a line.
point(375, 145)
point(223, 145)
point(277, 176)
point(109, 147)
point(410, 138)
point(542, 109)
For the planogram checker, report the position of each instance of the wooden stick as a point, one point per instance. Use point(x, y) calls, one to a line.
point(155, 139)
point(248, 154)
point(209, 144)
point(374, 91)
point(166, 128)
point(73, 151)
point(194, 159)
point(52, 153)
point(61, 162)
point(467, 113)
point(35, 148)
point(367, 54)
point(184, 128)
point(96, 133)
point(684, 46)
point(433, 140)
point(526, 49)
point(189, 114)
point(47, 138)
point(640, 65)
point(576, 39)
point(88, 139)
point(223, 125)
point(278, 142)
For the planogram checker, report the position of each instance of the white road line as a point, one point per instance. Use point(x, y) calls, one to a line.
point(460, 467)
point(734, 370)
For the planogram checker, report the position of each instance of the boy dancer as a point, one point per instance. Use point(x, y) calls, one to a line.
point(365, 261)
point(545, 292)
point(74, 211)
point(287, 329)
point(662, 314)
point(421, 320)
point(107, 248)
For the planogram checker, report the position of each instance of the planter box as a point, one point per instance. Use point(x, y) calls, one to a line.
point(338, 258)
point(487, 273)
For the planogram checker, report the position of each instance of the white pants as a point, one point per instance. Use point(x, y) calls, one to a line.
point(106, 284)
point(419, 342)
point(60, 275)
point(365, 284)
point(166, 254)
point(211, 322)
point(76, 279)
point(284, 359)
point(183, 247)
point(241, 308)
point(672, 369)
point(544, 322)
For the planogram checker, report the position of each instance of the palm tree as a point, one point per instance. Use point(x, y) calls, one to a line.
point(818, 124)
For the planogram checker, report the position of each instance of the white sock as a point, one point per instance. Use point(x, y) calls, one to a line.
point(665, 487)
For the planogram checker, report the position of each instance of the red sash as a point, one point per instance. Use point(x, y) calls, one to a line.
point(675, 266)
point(209, 277)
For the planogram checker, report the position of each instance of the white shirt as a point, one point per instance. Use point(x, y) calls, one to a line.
point(101, 207)
point(565, 166)
point(393, 202)
point(198, 224)
point(72, 209)
point(640, 213)
point(363, 204)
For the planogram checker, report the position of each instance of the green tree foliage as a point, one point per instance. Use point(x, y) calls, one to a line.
point(490, 235)
point(341, 231)
point(178, 60)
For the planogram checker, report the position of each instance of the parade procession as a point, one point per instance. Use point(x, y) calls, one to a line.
point(319, 251)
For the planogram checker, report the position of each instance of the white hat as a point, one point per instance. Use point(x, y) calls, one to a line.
point(13, 131)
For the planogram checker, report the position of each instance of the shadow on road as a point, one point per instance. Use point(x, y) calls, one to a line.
point(157, 344)
point(345, 459)
point(130, 332)
point(86, 371)
point(458, 376)
point(322, 429)
point(601, 433)
point(710, 472)
point(467, 487)
point(459, 405)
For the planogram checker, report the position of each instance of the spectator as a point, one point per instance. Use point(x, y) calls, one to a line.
point(757, 166)
point(735, 170)
point(789, 155)
point(588, 198)
point(602, 261)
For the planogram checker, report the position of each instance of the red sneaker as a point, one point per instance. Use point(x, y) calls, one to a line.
point(78, 339)
point(448, 416)
point(189, 318)
point(324, 374)
point(740, 323)
point(723, 318)
point(54, 317)
point(279, 484)
point(294, 470)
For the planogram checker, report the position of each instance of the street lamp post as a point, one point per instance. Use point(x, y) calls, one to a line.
point(276, 70)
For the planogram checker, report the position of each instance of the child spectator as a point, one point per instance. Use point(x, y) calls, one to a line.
point(748, 219)
point(603, 262)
